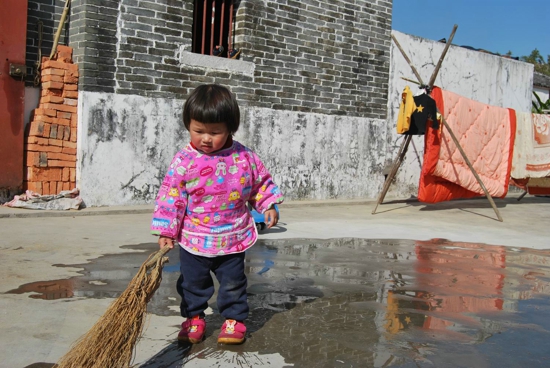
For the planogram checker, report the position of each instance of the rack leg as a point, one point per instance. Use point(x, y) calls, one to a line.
point(489, 198)
point(401, 155)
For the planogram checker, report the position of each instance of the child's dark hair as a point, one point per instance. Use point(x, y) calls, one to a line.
point(212, 103)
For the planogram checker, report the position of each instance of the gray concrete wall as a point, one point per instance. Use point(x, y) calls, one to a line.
point(126, 142)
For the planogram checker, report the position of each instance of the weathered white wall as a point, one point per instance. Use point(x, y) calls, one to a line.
point(486, 78)
point(126, 143)
point(314, 156)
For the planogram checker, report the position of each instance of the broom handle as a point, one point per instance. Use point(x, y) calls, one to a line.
point(158, 254)
point(60, 28)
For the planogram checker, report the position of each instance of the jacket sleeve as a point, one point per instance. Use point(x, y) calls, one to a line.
point(265, 193)
point(406, 108)
point(171, 201)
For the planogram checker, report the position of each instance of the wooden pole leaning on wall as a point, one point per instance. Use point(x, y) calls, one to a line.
point(60, 28)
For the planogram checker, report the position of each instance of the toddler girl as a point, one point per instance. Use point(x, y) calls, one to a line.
point(202, 206)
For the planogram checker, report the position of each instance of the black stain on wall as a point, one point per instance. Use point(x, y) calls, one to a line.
point(105, 124)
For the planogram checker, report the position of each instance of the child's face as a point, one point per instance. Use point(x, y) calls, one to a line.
point(208, 137)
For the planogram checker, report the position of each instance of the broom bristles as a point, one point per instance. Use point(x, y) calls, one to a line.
point(111, 340)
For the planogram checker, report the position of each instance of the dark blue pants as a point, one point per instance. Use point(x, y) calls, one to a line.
point(196, 287)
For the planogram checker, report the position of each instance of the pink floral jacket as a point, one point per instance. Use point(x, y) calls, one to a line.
point(202, 200)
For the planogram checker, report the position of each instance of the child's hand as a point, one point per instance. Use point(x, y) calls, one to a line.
point(271, 217)
point(165, 241)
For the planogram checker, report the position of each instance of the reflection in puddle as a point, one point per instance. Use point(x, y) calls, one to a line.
point(409, 303)
point(367, 303)
point(49, 290)
point(357, 302)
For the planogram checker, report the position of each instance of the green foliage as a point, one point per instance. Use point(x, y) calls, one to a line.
point(539, 107)
point(537, 60)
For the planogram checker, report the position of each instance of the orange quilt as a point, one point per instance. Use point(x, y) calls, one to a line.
point(486, 134)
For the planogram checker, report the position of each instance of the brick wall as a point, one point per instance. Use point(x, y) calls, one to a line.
point(315, 56)
point(313, 73)
point(50, 146)
point(93, 37)
point(49, 13)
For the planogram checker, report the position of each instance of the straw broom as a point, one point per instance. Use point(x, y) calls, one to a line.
point(110, 342)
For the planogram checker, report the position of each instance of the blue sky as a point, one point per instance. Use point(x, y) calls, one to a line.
point(498, 26)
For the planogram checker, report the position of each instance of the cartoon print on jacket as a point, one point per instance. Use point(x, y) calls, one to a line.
point(202, 200)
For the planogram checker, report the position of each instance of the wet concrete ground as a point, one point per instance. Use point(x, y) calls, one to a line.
point(330, 287)
point(358, 303)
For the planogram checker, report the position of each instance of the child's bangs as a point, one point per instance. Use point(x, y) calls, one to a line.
point(212, 104)
point(214, 109)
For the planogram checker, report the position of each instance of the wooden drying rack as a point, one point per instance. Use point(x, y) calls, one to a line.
point(405, 144)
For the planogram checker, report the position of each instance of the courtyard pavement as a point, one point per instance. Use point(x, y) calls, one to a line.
point(61, 269)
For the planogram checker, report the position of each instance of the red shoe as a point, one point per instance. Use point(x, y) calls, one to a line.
point(232, 332)
point(192, 330)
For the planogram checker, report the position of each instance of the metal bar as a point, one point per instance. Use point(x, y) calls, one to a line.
point(230, 32)
point(212, 22)
point(203, 42)
point(222, 18)
point(195, 27)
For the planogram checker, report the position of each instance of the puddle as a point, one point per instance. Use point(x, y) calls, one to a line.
point(49, 290)
point(359, 303)
point(104, 277)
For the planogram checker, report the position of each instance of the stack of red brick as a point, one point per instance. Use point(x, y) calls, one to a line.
point(50, 147)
